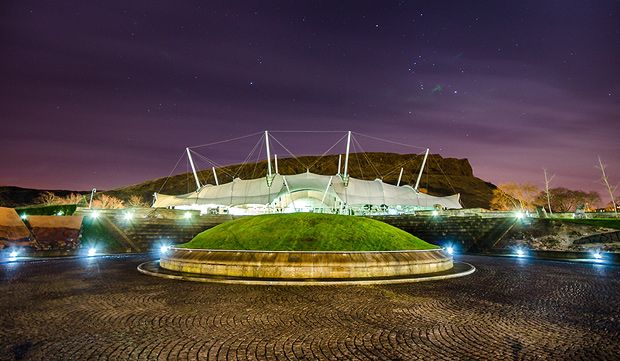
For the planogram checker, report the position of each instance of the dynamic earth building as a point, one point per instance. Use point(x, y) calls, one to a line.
point(306, 192)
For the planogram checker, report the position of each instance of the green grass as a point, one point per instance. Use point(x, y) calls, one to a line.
point(95, 234)
point(307, 232)
point(52, 210)
point(597, 222)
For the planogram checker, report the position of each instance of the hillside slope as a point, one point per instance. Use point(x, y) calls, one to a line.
point(442, 176)
point(11, 196)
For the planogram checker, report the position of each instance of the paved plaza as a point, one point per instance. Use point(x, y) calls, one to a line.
point(102, 308)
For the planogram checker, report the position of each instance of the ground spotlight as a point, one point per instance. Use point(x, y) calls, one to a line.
point(24, 216)
point(435, 213)
point(187, 215)
point(520, 252)
point(598, 256)
point(60, 213)
point(13, 255)
point(92, 251)
point(519, 215)
point(128, 216)
point(164, 248)
point(95, 214)
point(450, 250)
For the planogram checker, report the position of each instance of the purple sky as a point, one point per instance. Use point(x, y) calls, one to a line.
point(109, 94)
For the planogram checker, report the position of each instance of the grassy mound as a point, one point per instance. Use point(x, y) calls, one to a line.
point(306, 232)
point(597, 222)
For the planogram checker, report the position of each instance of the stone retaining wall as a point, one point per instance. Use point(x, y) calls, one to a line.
point(468, 232)
point(56, 232)
point(609, 237)
point(13, 231)
point(559, 235)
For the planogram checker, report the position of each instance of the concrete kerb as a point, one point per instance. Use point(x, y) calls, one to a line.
point(65, 258)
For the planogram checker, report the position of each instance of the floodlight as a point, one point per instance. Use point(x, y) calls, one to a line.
point(164, 248)
point(95, 214)
point(598, 256)
point(520, 252)
point(450, 250)
point(13, 254)
point(92, 251)
point(24, 216)
point(128, 216)
point(519, 215)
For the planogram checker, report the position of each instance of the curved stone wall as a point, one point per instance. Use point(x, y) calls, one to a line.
point(305, 265)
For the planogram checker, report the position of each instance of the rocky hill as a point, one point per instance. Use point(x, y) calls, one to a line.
point(441, 176)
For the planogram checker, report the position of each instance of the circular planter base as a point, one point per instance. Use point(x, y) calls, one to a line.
point(296, 267)
point(153, 268)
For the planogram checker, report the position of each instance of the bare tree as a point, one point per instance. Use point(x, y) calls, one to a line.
point(512, 195)
point(72, 198)
point(610, 189)
point(547, 182)
point(106, 201)
point(47, 198)
point(567, 200)
point(502, 201)
point(137, 201)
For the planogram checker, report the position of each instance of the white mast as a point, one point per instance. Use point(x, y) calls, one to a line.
point(400, 176)
point(275, 158)
point(345, 176)
point(417, 182)
point(217, 183)
point(289, 193)
point(326, 189)
point(191, 162)
point(268, 155)
point(339, 162)
point(92, 194)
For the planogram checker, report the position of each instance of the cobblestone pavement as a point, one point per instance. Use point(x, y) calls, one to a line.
point(102, 308)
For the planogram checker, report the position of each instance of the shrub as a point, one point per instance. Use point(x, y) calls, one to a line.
point(106, 201)
point(138, 202)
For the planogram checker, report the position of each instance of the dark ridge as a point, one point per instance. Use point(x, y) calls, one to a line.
point(441, 176)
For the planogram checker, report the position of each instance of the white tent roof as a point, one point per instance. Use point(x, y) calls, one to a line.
point(256, 191)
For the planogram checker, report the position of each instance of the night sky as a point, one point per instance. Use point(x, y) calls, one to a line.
point(109, 94)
